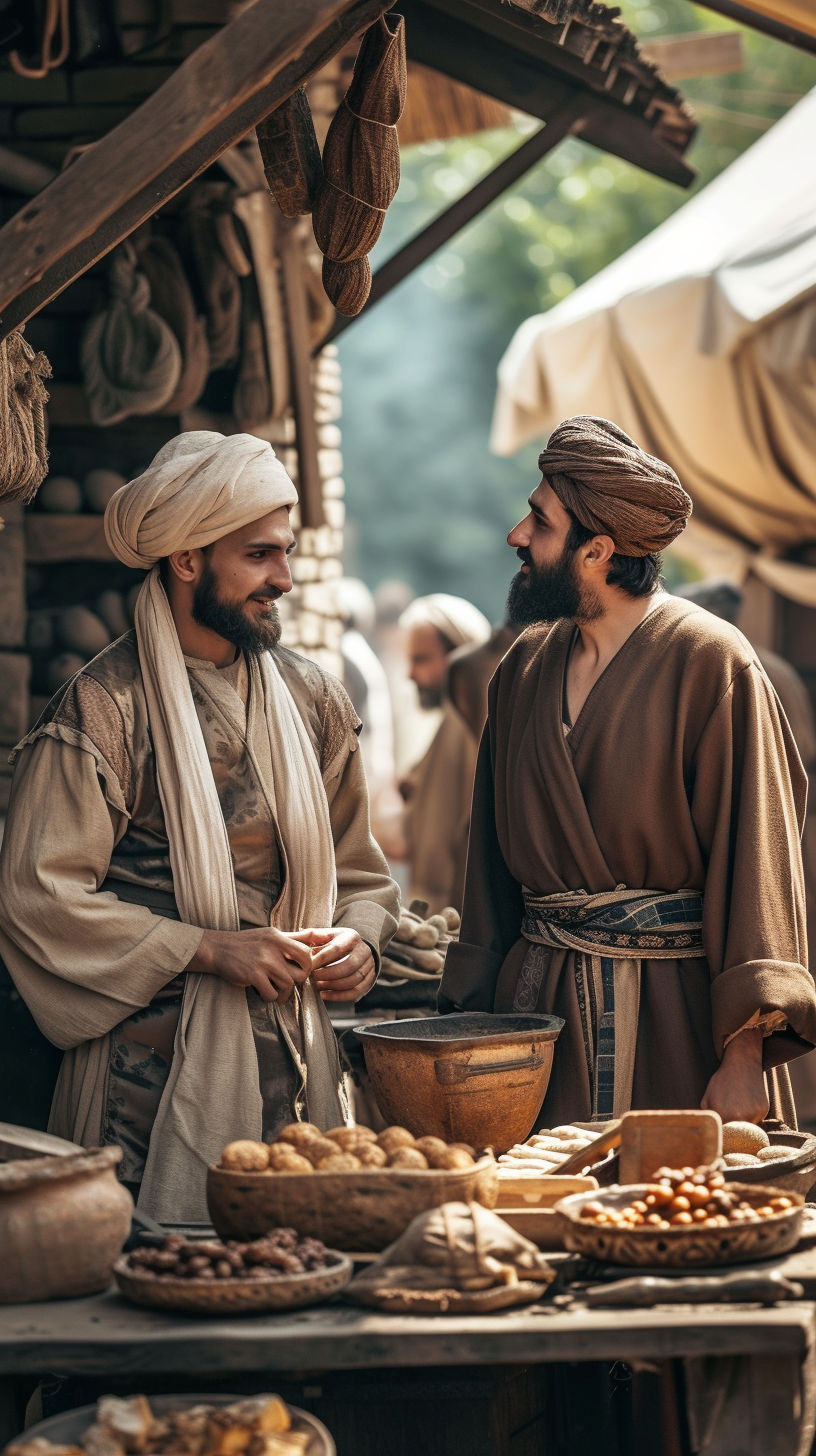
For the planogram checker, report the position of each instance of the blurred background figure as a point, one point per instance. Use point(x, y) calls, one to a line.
point(724, 599)
point(470, 670)
point(438, 790)
point(366, 682)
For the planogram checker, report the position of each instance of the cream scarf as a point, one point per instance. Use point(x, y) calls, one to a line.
point(212, 1094)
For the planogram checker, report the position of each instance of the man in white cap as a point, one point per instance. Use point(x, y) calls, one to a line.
point(439, 789)
point(188, 870)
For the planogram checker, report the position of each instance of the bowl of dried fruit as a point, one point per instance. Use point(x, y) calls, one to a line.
point(351, 1186)
point(204, 1276)
point(687, 1217)
point(168, 1424)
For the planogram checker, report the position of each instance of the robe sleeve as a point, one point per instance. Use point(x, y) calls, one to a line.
point(82, 960)
point(368, 899)
point(748, 800)
point(493, 905)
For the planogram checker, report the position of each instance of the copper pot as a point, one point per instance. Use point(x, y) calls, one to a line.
point(471, 1077)
point(63, 1221)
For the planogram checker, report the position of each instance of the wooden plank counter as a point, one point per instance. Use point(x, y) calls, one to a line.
point(105, 1335)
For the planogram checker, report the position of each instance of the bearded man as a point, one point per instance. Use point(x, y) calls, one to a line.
point(634, 861)
point(188, 871)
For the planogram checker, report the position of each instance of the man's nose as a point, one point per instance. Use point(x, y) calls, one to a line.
point(520, 534)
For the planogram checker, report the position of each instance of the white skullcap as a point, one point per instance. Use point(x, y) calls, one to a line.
point(462, 623)
point(200, 486)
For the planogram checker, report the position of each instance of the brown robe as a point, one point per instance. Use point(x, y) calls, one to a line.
point(438, 792)
point(680, 773)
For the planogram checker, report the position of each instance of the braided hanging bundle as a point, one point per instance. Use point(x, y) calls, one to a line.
point(613, 487)
point(23, 397)
point(361, 164)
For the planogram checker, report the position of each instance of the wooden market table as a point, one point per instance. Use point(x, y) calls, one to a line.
point(418, 1379)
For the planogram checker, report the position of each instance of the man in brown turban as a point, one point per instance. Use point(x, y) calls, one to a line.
point(634, 862)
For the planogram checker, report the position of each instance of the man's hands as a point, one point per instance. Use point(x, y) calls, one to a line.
point(274, 962)
point(343, 966)
point(737, 1090)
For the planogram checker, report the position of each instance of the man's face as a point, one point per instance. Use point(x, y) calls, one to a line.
point(243, 576)
point(549, 585)
point(427, 664)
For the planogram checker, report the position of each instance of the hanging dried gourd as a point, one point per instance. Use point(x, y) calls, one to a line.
point(23, 397)
point(291, 156)
point(361, 164)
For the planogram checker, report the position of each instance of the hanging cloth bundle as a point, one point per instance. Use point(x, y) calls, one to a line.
point(23, 397)
point(361, 164)
point(131, 360)
point(291, 156)
point(171, 298)
point(216, 257)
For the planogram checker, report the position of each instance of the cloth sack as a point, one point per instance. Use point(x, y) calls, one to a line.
point(171, 298)
point(459, 1258)
point(131, 361)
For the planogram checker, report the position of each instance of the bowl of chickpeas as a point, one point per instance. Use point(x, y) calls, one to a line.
point(684, 1218)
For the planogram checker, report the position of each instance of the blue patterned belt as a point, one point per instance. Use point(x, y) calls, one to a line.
point(619, 923)
point(610, 934)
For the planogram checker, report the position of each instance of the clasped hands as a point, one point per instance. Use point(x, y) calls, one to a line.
point(274, 962)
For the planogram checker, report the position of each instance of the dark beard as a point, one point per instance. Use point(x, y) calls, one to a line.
point(430, 697)
point(230, 621)
point(549, 593)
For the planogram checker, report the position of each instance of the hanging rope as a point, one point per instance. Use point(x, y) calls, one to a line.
point(56, 17)
point(23, 397)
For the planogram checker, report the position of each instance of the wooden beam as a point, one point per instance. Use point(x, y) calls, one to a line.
point(213, 99)
point(571, 116)
point(765, 24)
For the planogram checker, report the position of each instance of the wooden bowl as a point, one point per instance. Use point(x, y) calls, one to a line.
point(68, 1428)
point(63, 1221)
point(470, 1077)
point(233, 1296)
point(680, 1248)
point(363, 1211)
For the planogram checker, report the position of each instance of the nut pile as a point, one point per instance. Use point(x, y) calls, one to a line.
point(259, 1425)
point(417, 951)
point(279, 1253)
point(545, 1151)
point(303, 1148)
point(683, 1197)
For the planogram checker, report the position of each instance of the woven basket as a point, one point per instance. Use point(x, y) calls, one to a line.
point(344, 227)
point(347, 285)
point(291, 156)
point(380, 81)
point(362, 157)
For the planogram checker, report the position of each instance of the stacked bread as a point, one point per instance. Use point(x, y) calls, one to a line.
point(545, 1151)
point(417, 952)
point(303, 1148)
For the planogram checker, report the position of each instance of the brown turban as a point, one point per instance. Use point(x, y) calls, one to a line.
point(613, 487)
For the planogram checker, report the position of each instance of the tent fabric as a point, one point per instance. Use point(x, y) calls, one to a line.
point(701, 343)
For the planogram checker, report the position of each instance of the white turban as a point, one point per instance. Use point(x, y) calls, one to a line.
point(200, 487)
point(462, 623)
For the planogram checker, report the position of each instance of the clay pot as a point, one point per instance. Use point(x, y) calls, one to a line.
point(63, 1222)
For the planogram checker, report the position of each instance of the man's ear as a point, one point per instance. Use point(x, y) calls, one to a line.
point(598, 552)
point(186, 564)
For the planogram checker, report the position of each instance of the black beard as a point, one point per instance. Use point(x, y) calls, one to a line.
point(549, 593)
point(430, 697)
point(229, 620)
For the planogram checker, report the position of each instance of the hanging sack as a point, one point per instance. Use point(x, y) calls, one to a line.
point(171, 298)
point(131, 360)
point(291, 156)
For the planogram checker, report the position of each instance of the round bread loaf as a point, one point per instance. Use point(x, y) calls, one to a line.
point(298, 1133)
point(740, 1160)
point(407, 1158)
point(339, 1163)
point(245, 1156)
point(774, 1153)
point(743, 1137)
point(392, 1138)
point(284, 1158)
point(369, 1155)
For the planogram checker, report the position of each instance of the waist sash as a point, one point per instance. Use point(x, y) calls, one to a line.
point(610, 934)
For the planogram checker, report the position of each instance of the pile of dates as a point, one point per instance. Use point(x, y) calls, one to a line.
point(683, 1197)
point(280, 1253)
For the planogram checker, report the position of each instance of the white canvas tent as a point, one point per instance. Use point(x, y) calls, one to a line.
point(701, 342)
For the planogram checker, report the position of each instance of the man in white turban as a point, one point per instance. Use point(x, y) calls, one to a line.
point(439, 788)
point(188, 871)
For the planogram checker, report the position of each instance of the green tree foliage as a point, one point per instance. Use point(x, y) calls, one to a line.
point(426, 500)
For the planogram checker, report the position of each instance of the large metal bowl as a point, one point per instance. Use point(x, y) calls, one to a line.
point(471, 1077)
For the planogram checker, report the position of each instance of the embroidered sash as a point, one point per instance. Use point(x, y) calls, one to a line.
point(610, 933)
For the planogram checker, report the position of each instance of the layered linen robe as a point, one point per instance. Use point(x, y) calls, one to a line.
point(680, 774)
point(89, 926)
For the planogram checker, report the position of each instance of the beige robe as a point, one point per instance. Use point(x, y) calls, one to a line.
point(85, 812)
point(680, 773)
point(438, 792)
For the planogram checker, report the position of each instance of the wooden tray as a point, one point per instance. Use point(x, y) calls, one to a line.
point(686, 1247)
point(365, 1209)
point(68, 1428)
point(539, 1190)
point(233, 1296)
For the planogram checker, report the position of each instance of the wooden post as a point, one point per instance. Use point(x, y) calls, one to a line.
point(310, 487)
